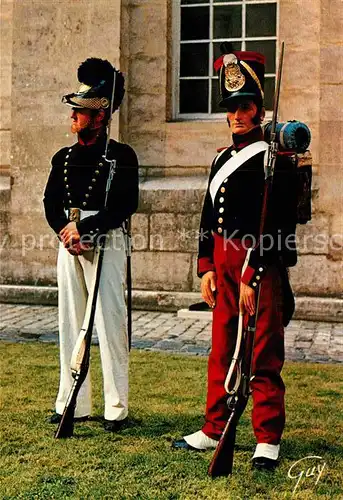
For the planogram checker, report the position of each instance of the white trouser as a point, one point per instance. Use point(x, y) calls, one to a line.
point(74, 276)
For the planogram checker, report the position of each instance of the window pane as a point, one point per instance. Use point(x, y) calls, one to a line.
point(227, 21)
point(194, 96)
point(261, 20)
point(216, 98)
point(269, 92)
point(194, 59)
point(195, 23)
point(267, 48)
point(216, 48)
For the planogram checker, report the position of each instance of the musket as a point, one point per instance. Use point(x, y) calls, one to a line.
point(81, 352)
point(128, 246)
point(237, 383)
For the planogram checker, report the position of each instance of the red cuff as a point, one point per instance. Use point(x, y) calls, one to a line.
point(248, 275)
point(205, 265)
point(252, 276)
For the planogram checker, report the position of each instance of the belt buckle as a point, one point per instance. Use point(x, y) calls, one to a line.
point(74, 214)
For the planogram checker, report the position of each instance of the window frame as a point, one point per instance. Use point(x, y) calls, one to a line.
point(176, 49)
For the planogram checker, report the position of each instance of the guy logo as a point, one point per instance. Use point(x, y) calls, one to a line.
point(299, 472)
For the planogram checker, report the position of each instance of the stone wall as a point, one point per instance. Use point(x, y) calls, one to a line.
point(165, 234)
point(44, 43)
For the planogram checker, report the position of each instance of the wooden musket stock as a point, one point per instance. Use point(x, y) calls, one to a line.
point(81, 353)
point(222, 460)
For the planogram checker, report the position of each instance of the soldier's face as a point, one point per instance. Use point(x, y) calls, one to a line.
point(81, 120)
point(241, 117)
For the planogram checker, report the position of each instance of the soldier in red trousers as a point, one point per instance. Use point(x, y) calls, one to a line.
point(230, 224)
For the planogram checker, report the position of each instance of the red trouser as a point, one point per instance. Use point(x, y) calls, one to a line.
point(268, 414)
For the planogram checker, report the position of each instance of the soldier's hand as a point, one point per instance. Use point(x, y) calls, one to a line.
point(208, 288)
point(246, 299)
point(70, 235)
point(79, 248)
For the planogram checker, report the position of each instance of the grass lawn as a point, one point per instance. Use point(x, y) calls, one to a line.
point(167, 400)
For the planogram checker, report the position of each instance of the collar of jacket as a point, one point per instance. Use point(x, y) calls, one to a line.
point(98, 144)
point(240, 141)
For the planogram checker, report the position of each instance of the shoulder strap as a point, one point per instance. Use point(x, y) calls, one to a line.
point(233, 163)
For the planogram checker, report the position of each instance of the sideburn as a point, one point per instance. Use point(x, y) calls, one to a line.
point(257, 118)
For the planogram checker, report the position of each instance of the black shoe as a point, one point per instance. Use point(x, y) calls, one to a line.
point(200, 306)
point(56, 418)
point(114, 425)
point(264, 463)
point(181, 444)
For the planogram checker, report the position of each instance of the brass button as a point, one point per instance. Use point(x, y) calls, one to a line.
point(67, 186)
point(67, 156)
point(220, 230)
point(101, 164)
point(221, 210)
point(233, 153)
point(65, 171)
point(258, 277)
point(68, 194)
point(221, 200)
point(69, 150)
point(84, 203)
point(222, 190)
point(254, 284)
point(66, 163)
point(65, 179)
point(93, 180)
point(90, 188)
point(70, 201)
point(220, 220)
point(87, 195)
point(260, 269)
point(97, 172)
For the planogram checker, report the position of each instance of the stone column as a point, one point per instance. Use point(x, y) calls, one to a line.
point(312, 93)
point(331, 122)
point(6, 32)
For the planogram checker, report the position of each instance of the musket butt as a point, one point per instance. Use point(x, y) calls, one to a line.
point(64, 434)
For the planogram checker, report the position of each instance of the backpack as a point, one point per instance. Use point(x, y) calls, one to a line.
point(294, 138)
point(304, 187)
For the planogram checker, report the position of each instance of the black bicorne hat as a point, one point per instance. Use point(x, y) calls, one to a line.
point(95, 92)
point(241, 74)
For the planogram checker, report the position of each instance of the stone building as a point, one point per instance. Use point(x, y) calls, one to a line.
point(170, 117)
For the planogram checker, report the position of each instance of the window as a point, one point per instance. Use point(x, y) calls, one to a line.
point(200, 27)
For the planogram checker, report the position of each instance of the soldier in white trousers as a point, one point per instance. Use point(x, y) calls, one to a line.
point(74, 201)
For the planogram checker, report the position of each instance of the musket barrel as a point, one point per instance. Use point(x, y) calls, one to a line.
point(277, 93)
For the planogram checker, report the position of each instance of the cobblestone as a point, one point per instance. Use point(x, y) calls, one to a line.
point(143, 344)
point(304, 340)
point(168, 345)
point(194, 349)
point(49, 338)
point(301, 344)
point(188, 336)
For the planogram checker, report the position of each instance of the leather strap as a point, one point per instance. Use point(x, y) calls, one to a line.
point(233, 163)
